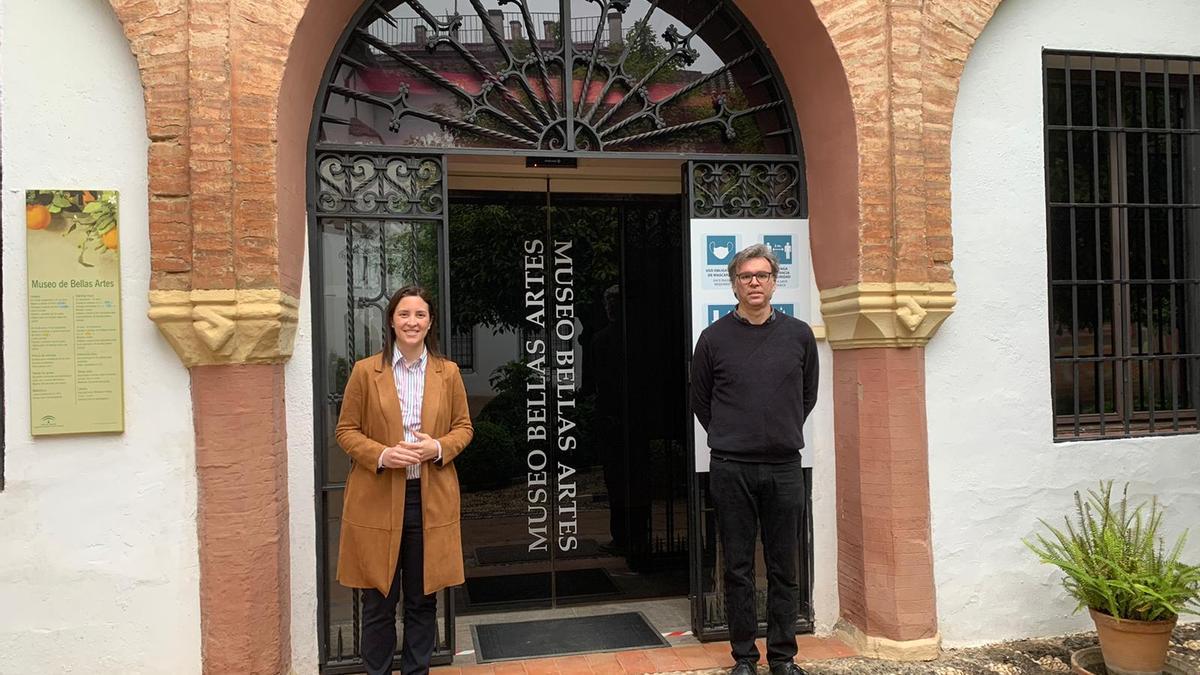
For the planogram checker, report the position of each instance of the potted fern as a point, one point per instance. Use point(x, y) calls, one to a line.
point(1117, 565)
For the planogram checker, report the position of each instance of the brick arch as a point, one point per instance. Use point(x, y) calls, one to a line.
point(315, 39)
point(157, 36)
point(229, 88)
point(903, 61)
point(803, 53)
point(802, 49)
point(949, 31)
point(812, 70)
point(212, 122)
point(210, 72)
point(857, 139)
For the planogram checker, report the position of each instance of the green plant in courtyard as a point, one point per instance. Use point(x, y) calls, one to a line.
point(490, 461)
point(1115, 560)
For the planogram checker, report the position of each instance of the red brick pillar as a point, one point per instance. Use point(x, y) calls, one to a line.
point(885, 558)
point(885, 555)
point(211, 71)
point(241, 467)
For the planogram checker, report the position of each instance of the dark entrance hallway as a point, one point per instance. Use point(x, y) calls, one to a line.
point(567, 317)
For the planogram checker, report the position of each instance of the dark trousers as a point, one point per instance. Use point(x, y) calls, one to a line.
point(420, 610)
point(768, 499)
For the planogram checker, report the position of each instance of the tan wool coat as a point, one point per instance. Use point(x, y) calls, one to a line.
point(373, 511)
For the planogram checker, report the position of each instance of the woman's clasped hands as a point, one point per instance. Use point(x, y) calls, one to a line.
point(406, 454)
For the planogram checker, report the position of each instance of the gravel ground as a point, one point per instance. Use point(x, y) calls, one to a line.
point(1050, 655)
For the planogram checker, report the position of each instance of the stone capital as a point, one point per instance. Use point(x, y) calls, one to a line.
point(222, 327)
point(902, 314)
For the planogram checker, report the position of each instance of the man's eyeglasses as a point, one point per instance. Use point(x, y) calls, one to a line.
point(761, 277)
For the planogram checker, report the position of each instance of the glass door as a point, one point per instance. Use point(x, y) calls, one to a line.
point(504, 474)
point(566, 317)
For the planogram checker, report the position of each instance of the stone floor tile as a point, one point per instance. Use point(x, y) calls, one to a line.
point(696, 656)
point(664, 659)
point(569, 665)
point(605, 663)
point(635, 663)
point(548, 666)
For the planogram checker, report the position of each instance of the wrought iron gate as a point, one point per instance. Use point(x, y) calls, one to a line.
point(380, 224)
point(631, 78)
point(756, 189)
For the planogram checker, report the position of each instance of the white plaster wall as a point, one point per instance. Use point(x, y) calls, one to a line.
point(492, 350)
point(298, 388)
point(993, 467)
point(819, 454)
point(98, 556)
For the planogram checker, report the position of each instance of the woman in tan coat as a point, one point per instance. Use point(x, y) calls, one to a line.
point(404, 419)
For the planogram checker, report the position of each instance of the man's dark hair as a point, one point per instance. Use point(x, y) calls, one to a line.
point(753, 251)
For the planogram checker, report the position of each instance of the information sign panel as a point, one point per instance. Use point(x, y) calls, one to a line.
point(76, 382)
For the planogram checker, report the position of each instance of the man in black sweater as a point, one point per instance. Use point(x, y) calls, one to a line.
point(754, 382)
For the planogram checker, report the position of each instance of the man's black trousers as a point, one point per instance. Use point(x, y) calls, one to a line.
point(420, 610)
point(753, 498)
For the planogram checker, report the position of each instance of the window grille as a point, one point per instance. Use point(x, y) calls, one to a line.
point(462, 348)
point(1122, 138)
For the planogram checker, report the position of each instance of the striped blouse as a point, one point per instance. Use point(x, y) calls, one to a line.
point(410, 388)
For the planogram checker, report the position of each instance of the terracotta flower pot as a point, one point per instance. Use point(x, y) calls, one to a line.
point(1090, 661)
point(1133, 647)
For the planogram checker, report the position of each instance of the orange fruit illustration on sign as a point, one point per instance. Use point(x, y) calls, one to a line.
point(37, 216)
point(110, 239)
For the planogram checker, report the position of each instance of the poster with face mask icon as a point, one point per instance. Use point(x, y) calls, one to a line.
point(719, 250)
point(713, 245)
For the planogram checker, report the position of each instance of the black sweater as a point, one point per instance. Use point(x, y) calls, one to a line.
point(754, 385)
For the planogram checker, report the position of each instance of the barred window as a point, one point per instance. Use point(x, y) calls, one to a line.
point(1123, 236)
point(462, 347)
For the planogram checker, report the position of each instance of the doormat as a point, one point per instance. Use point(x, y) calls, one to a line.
point(519, 553)
point(512, 588)
point(560, 637)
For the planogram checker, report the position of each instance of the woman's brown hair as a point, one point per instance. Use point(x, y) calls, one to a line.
point(431, 339)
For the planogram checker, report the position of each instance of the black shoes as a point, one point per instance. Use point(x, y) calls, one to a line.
point(743, 668)
point(748, 668)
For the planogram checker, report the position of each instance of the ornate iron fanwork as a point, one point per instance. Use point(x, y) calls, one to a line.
point(746, 190)
point(380, 184)
point(686, 77)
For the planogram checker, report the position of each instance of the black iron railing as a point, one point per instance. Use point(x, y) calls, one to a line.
point(415, 32)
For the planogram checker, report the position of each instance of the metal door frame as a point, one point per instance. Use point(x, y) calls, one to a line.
point(321, 196)
point(748, 196)
point(696, 511)
point(789, 131)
